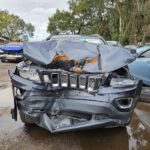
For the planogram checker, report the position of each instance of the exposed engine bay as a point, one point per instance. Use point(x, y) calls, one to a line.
point(62, 61)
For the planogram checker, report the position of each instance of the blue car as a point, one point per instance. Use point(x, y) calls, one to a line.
point(140, 69)
point(11, 52)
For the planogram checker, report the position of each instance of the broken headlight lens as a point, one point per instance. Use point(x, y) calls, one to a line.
point(29, 73)
point(121, 82)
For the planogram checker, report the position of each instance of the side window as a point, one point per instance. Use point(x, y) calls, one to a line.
point(146, 54)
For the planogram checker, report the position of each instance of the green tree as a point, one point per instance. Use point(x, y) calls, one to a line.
point(61, 21)
point(133, 20)
point(14, 28)
point(127, 21)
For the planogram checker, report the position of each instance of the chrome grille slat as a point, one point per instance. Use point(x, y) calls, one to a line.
point(68, 80)
point(55, 79)
point(75, 81)
point(64, 80)
point(91, 84)
point(82, 82)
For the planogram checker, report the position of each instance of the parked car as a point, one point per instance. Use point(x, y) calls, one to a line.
point(140, 69)
point(114, 43)
point(11, 52)
point(148, 44)
point(74, 82)
point(133, 46)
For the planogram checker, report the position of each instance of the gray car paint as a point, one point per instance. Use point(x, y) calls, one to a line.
point(39, 98)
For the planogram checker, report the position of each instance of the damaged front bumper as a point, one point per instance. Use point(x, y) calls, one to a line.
point(65, 109)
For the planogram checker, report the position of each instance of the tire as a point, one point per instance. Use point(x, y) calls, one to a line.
point(25, 119)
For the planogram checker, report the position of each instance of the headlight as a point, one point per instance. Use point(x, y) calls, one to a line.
point(29, 73)
point(121, 82)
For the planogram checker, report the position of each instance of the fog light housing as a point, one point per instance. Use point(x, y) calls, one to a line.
point(18, 92)
point(124, 103)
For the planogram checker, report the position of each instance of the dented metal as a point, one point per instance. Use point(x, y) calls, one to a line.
point(54, 96)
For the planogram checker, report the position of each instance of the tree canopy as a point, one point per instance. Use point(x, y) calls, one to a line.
point(14, 28)
point(127, 21)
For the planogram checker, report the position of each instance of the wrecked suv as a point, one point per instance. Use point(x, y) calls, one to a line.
point(73, 82)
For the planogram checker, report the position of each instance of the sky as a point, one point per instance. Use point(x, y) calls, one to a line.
point(36, 12)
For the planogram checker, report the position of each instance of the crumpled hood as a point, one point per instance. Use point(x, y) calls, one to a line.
point(112, 58)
